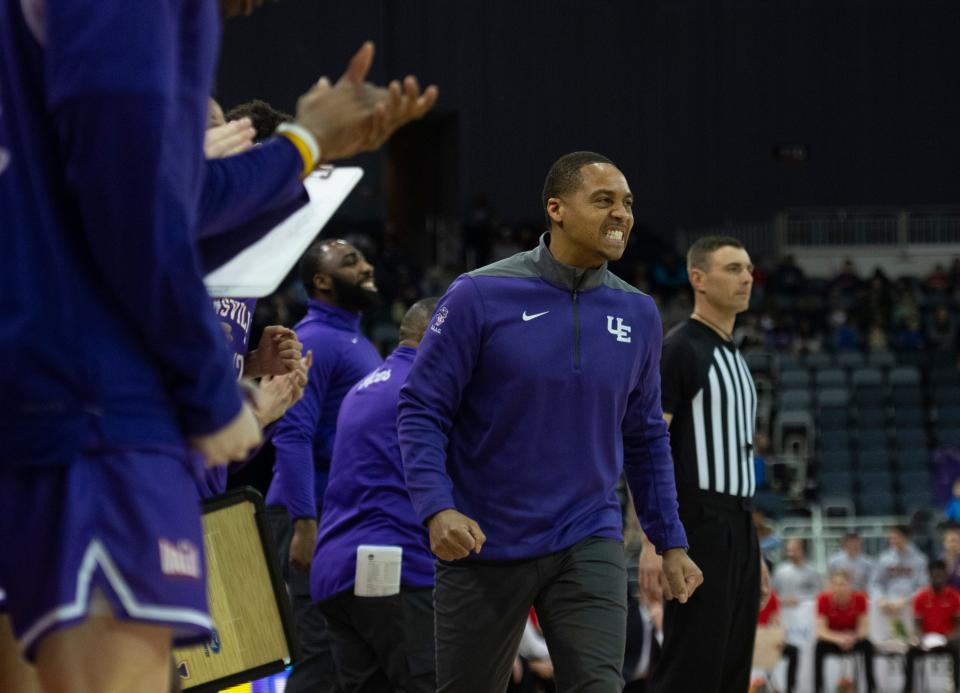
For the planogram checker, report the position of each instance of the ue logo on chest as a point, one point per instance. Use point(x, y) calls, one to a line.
point(621, 331)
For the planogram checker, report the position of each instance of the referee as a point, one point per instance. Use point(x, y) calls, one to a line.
point(709, 401)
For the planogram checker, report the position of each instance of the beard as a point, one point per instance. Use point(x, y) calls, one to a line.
point(354, 297)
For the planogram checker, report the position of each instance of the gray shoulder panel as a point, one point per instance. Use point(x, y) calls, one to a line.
point(612, 281)
point(516, 266)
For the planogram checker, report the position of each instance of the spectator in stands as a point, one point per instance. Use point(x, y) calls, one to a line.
point(787, 277)
point(532, 669)
point(769, 618)
point(955, 274)
point(937, 612)
point(942, 330)
point(938, 280)
point(951, 554)
point(909, 336)
point(877, 338)
point(847, 283)
point(953, 506)
point(900, 573)
point(845, 336)
point(842, 627)
point(876, 303)
point(795, 580)
point(851, 560)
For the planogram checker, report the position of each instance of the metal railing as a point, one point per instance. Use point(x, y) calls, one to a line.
point(838, 226)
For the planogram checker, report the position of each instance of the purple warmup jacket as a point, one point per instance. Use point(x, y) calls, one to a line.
point(366, 501)
point(536, 386)
point(304, 436)
point(107, 336)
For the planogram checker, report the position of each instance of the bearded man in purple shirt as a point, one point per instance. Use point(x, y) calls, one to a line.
point(340, 285)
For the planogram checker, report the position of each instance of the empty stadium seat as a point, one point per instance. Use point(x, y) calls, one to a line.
point(904, 375)
point(794, 379)
point(908, 416)
point(912, 459)
point(838, 483)
point(875, 481)
point(836, 460)
point(914, 481)
point(876, 504)
point(882, 359)
point(911, 438)
point(819, 360)
point(850, 359)
point(830, 377)
point(793, 400)
point(906, 395)
point(872, 415)
point(948, 415)
point(872, 439)
point(833, 397)
point(834, 440)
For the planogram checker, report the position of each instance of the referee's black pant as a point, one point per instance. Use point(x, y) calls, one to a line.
point(708, 642)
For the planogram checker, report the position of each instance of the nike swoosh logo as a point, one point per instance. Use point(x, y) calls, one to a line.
point(534, 316)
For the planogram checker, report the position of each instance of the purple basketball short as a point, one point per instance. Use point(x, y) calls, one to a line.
point(124, 524)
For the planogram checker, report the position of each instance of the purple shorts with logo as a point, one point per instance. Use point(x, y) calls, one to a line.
point(121, 523)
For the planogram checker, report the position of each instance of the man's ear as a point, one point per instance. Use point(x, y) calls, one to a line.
point(697, 277)
point(322, 282)
point(555, 210)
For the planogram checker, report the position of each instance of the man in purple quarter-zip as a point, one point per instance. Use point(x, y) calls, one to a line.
point(536, 386)
point(380, 644)
point(340, 284)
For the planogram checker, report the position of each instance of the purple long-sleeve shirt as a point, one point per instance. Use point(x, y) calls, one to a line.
point(107, 334)
point(366, 501)
point(536, 386)
point(304, 437)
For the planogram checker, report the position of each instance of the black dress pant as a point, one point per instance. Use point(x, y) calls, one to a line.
point(382, 644)
point(314, 671)
point(708, 642)
point(824, 648)
point(915, 653)
point(580, 594)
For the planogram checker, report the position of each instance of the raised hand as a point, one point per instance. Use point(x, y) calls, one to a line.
point(228, 139)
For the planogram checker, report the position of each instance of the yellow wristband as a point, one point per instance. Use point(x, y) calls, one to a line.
point(305, 143)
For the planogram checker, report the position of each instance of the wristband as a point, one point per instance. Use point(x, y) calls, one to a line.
point(305, 142)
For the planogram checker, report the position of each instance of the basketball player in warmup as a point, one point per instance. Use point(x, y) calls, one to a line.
point(380, 645)
point(709, 401)
point(535, 388)
point(102, 202)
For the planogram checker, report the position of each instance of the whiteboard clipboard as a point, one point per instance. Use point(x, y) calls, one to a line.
point(258, 270)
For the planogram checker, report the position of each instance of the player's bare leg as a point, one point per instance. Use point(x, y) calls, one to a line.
point(15, 673)
point(103, 655)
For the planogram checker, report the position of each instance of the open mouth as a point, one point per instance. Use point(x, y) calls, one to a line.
point(368, 285)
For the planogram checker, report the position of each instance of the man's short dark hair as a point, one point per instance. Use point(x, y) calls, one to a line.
point(265, 118)
point(699, 254)
point(417, 318)
point(565, 176)
point(937, 564)
point(311, 263)
point(903, 529)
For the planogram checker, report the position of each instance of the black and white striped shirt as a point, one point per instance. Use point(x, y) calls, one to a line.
point(707, 387)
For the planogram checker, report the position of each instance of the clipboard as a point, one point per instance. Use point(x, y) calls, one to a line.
point(258, 270)
point(254, 634)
